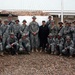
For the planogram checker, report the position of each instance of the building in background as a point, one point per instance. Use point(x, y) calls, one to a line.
point(4, 15)
point(41, 15)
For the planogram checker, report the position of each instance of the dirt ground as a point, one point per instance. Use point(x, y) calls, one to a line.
point(37, 64)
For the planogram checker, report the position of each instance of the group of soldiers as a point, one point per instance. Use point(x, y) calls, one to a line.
point(50, 38)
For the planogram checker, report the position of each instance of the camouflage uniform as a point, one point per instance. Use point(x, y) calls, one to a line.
point(10, 22)
point(73, 30)
point(11, 29)
point(49, 21)
point(1, 43)
point(51, 43)
point(1, 25)
point(34, 29)
point(66, 30)
point(17, 29)
point(5, 33)
point(59, 44)
point(53, 29)
point(12, 44)
point(24, 43)
point(60, 26)
point(24, 29)
point(68, 47)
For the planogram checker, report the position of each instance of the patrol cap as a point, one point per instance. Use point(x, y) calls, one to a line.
point(16, 20)
point(10, 15)
point(11, 33)
point(24, 21)
point(68, 37)
point(50, 34)
point(23, 34)
point(60, 22)
point(34, 17)
point(59, 34)
point(6, 20)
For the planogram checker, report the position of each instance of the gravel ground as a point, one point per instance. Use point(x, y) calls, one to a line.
point(37, 64)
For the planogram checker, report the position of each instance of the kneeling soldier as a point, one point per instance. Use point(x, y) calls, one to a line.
point(24, 43)
point(68, 47)
point(12, 44)
point(59, 44)
point(51, 44)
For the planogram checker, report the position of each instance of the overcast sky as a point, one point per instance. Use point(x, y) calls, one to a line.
point(37, 4)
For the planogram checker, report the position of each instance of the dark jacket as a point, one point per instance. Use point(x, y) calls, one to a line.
point(43, 33)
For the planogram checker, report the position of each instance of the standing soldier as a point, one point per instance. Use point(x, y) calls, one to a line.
point(1, 25)
point(68, 47)
point(1, 44)
point(53, 29)
point(24, 43)
point(73, 30)
point(49, 21)
point(17, 29)
point(12, 44)
point(24, 28)
point(11, 29)
point(65, 22)
point(34, 29)
point(60, 26)
point(66, 30)
point(5, 32)
point(10, 21)
point(43, 34)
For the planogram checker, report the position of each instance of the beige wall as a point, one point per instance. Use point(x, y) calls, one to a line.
point(57, 19)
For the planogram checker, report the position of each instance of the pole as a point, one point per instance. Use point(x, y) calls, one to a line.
point(62, 10)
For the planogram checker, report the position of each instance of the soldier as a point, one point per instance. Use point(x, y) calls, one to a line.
point(65, 22)
point(59, 44)
point(60, 26)
point(12, 44)
point(10, 21)
point(43, 34)
point(17, 29)
point(66, 30)
point(24, 28)
point(68, 47)
point(49, 21)
point(73, 30)
point(1, 25)
point(11, 29)
point(24, 43)
point(53, 29)
point(5, 32)
point(34, 29)
point(51, 44)
point(1, 45)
